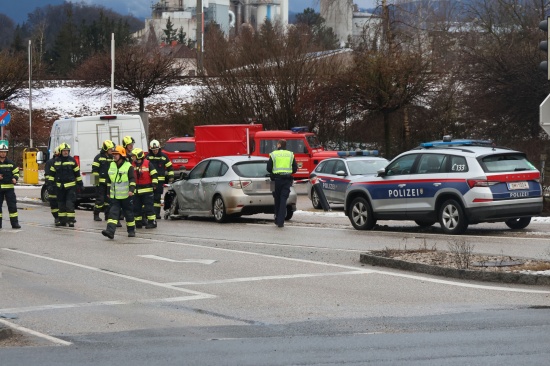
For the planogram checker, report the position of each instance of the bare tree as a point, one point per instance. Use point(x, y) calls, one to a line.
point(139, 71)
point(13, 75)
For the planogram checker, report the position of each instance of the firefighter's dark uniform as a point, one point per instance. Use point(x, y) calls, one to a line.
point(100, 170)
point(66, 174)
point(122, 181)
point(146, 182)
point(9, 171)
point(49, 180)
point(165, 172)
point(281, 165)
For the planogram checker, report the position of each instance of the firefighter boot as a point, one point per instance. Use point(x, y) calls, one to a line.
point(108, 234)
point(131, 233)
point(15, 224)
point(151, 224)
point(96, 216)
point(157, 212)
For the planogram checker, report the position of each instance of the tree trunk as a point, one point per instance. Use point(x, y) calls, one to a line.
point(387, 135)
point(142, 104)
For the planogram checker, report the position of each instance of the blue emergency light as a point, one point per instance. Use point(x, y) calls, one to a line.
point(457, 143)
point(358, 153)
point(299, 129)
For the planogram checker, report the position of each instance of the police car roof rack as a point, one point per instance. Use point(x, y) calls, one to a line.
point(448, 141)
point(358, 153)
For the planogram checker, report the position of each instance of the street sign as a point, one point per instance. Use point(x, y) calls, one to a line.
point(5, 117)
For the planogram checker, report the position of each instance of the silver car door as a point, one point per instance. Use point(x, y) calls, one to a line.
point(208, 184)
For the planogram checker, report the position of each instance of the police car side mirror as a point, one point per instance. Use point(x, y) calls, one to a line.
point(341, 173)
point(381, 172)
point(40, 159)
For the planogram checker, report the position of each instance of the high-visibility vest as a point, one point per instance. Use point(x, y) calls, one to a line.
point(282, 161)
point(146, 176)
point(120, 185)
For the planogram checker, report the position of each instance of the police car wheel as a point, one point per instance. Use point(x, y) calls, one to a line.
point(361, 216)
point(452, 217)
point(218, 209)
point(315, 201)
point(425, 223)
point(519, 223)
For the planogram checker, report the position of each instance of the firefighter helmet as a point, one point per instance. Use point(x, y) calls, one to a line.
point(154, 144)
point(127, 140)
point(64, 146)
point(119, 150)
point(56, 151)
point(3, 145)
point(107, 145)
point(138, 153)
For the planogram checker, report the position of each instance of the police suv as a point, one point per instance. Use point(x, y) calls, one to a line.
point(453, 182)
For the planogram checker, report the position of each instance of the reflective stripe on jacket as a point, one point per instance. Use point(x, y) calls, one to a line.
point(146, 176)
point(9, 170)
point(163, 165)
point(66, 172)
point(282, 161)
point(120, 180)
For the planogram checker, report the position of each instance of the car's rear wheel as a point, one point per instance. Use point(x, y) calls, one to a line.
point(173, 211)
point(315, 201)
point(518, 223)
point(44, 195)
point(218, 209)
point(425, 223)
point(289, 213)
point(452, 218)
point(361, 216)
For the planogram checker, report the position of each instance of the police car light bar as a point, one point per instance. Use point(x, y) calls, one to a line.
point(299, 129)
point(457, 143)
point(358, 153)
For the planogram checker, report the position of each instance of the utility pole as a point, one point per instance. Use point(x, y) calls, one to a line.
point(200, 35)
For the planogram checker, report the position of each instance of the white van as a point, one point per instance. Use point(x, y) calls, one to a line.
point(85, 135)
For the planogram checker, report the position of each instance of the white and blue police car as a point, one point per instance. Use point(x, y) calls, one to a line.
point(334, 174)
point(453, 182)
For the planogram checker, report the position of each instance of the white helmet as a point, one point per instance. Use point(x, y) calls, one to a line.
point(154, 144)
point(3, 145)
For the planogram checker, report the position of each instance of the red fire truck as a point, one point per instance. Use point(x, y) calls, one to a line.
point(218, 140)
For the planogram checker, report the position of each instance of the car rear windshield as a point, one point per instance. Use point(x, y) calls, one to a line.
point(179, 146)
point(506, 163)
point(251, 169)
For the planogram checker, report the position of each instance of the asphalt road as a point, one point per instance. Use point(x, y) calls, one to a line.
point(248, 293)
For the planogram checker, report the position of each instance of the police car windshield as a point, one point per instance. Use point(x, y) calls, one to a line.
point(362, 167)
point(506, 163)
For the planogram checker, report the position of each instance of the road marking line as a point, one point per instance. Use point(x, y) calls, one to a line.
point(153, 283)
point(201, 261)
point(263, 278)
point(97, 303)
point(35, 333)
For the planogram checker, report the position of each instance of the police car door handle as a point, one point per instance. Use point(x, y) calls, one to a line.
point(401, 185)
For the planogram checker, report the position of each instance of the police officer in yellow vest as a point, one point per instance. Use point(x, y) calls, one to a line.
point(281, 166)
point(123, 183)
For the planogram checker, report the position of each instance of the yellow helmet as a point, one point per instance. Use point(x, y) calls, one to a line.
point(107, 145)
point(119, 150)
point(127, 140)
point(138, 153)
point(56, 151)
point(64, 146)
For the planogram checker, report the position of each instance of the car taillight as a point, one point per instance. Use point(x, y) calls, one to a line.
point(239, 183)
point(481, 183)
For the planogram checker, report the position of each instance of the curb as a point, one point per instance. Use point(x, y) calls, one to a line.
point(464, 274)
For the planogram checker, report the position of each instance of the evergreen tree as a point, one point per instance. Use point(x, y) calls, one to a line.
point(169, 32)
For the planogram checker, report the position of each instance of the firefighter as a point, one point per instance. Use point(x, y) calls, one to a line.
point(49, 180)
point(146, 183)
point(128, 144)
point(9, 174)
point(67, 177)
point(123, 184)
point(100, 168)
point(165, 172)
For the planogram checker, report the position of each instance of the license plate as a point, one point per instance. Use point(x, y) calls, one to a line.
point(518, 185)
point(180, 161)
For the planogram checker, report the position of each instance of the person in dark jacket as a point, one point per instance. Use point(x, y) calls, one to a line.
point(123, 184)
point(165, 172)
point(49, 181)
point(100, 169)
point(281, 166)
point(67, 177)
point(9, 174)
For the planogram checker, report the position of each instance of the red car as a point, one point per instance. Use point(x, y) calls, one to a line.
point(181, 152)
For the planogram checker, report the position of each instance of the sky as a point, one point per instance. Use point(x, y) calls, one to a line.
point(18, 10)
